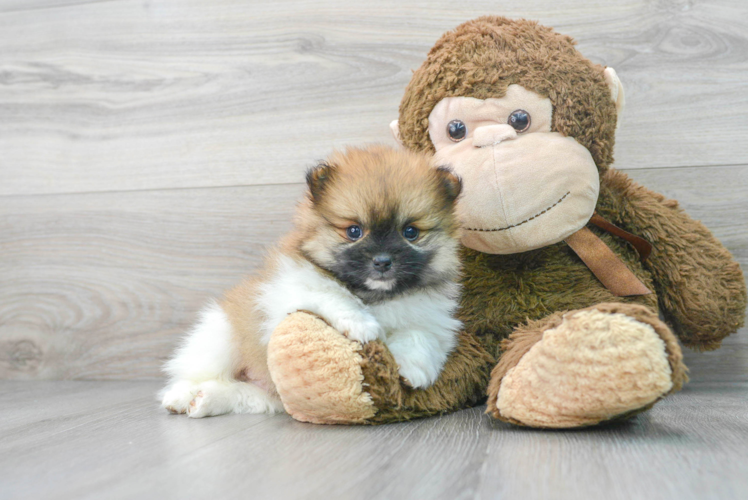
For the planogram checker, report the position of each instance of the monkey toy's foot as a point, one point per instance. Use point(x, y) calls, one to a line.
point(585, 367)
point(324, 377)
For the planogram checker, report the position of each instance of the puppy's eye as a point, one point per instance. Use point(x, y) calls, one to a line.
point(354, 232)
point(456, 130)
point(411, 233)
point(519, 120)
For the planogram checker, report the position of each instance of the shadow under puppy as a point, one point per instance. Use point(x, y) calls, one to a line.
point(374, 252)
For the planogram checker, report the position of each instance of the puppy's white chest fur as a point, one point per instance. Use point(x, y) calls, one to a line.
point(419, 327)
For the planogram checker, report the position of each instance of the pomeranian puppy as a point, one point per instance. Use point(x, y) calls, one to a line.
point(374, 253)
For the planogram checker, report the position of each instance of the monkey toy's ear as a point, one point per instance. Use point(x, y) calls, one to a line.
point(395, 128)
point(317, 179)
point(616, 91)
point(450, 181)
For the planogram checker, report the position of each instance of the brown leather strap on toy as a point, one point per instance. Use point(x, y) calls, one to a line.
point(605, 264)
point(642, 246)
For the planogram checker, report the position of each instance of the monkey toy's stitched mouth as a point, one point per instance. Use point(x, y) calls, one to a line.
point(520, 223)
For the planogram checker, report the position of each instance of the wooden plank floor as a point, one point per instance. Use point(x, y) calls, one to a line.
point(93, 440)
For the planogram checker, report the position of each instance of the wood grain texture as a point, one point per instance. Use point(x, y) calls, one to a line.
point(152, 94)
point(91, 440)
point(101, 285)
point(88, 278)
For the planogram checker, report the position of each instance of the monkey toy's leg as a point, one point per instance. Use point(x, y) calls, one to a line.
point(585, 367)
point(323, 377)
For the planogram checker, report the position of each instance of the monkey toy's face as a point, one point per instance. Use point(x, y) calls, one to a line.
point(524, 186)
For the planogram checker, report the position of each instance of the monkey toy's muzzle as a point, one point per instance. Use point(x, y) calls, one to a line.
point(521, 192)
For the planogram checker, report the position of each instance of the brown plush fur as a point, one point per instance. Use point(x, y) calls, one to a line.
point(503, 291)
point(700, 287)
point(461, 384)
point(482, 57)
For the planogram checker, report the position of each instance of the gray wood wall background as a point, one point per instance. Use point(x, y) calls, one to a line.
point(151, 149)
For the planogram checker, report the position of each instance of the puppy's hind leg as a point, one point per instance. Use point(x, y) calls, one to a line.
point(202, 371)
point(217, 397)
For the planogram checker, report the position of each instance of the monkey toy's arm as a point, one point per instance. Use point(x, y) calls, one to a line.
point(700, 287)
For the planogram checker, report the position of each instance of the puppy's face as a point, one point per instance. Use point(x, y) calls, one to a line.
point(382, 222)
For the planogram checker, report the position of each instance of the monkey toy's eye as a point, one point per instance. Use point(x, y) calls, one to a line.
point(519, 120)
point(411, 233)
point(354, 232)
point(456, 130)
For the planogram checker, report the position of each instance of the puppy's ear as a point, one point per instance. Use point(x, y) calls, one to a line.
point(450, 181)
point(317, 179)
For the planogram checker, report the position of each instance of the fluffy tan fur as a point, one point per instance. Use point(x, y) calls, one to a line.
point(389, 181)
point(239, 305)
point(393, 181)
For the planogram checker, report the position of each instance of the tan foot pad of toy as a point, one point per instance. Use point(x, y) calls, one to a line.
point(317, 372)
point(590, 366)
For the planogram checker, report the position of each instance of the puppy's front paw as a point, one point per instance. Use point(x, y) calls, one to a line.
point(418, 377)
point(419, 369)
point(362, 327)
point(177, 397)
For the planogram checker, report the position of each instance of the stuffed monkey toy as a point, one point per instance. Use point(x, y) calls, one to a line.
point(567, 262)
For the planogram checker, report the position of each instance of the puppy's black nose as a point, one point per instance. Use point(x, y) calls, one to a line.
point(382, 262)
